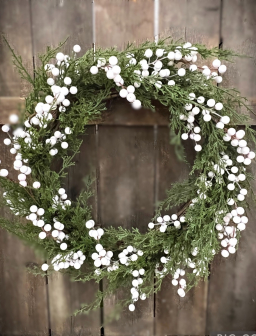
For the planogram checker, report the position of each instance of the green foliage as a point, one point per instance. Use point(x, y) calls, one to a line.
point(86, 106)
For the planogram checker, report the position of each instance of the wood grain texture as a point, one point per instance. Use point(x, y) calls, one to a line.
point(127, 195)
point(126, 186)
point(174, 315)
point(66, 296)
point(85, 168)
point(8, 106)
point(172, 14)
point(119, 112)
point(55, 20)
point(126, 161)
point(238, 34)
point(123, 21)
point(202, 22)
point(126, 180)
point(190, 20)
point(193, 21)
point(232, 291)
point(232, 295)
point(234, 306)
point(15, 25)
point(23, 309)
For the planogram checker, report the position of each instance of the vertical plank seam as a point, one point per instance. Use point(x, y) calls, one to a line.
point(209, 267)
point(97, 205)
point(93, 24)
point(34, 73)
point(156, 186)
point(185, 28)
point(220, 29)
point(155, 133)
point(156, 20)
point(97, 196)
point(155, 130)
point(32, 39)
point(98, 218)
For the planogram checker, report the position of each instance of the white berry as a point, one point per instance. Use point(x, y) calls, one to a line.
point(77, 48)
point(94, 70)
point(113, 60)
point(44, 267)
point(67, 80)
point(181, 72)
point(36, 185)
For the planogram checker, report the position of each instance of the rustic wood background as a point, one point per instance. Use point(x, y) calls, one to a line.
point(130, 156)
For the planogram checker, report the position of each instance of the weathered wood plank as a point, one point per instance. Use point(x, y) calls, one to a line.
point(23, 296)
point(85, 168)
point(124, 153)
point(128, 152)
point(232, 292)
point(172, 18)
point(238, 34)
point(203, 22)
point(193, 21)
point(126, 184)
point(175, 315)
point(234, 306)
point(53, 21)
point(23, 309)
point(123, 21)
point(119, 112)
point(234, 281)
point(16, 26)
point(67, 296)
point(190, 20)
point(8, 106)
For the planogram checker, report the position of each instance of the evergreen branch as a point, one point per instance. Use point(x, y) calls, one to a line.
point(17, 61)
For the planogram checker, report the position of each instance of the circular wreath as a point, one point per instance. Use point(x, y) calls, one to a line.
point(71, 92)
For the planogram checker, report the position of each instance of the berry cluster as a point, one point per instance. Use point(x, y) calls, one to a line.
point(164, 222)
point(135, 290)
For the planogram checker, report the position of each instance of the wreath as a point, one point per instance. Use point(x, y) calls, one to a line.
point(72, 91)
